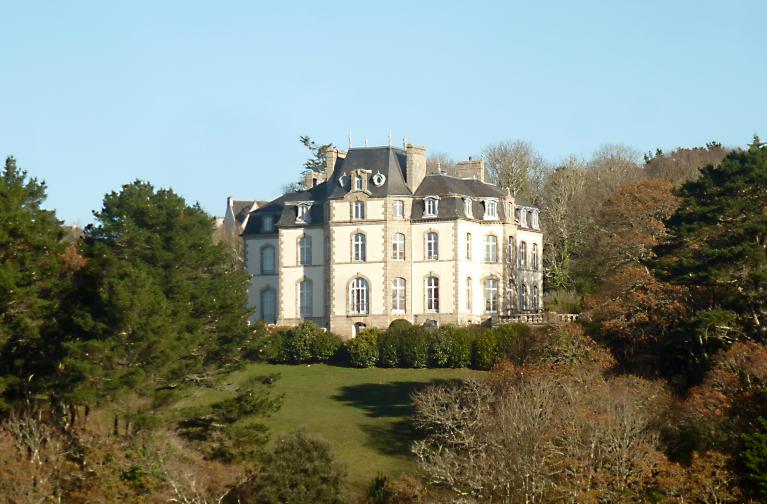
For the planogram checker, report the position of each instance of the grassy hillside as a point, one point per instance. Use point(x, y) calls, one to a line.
point(361, 412)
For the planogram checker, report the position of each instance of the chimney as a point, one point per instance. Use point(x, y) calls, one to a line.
point(331, 155)
point(473, 168)
point(416, 166)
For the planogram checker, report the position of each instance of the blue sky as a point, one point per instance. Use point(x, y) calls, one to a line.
point(209, 98)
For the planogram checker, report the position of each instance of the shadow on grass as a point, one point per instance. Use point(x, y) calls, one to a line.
point(387, 400)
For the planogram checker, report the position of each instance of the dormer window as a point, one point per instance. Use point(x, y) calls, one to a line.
point(535, 223)
point(467, 210)
point(358, 182)
point(302, 212)
point(267, 224)
point(491, 210)
point(522, 218)
point(431, 206)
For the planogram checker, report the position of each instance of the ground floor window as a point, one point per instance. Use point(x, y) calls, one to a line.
point(305, 298)
point(398, 296)
point(358, 296)
point(269, 306)
point(432, 294)
point(491, 295)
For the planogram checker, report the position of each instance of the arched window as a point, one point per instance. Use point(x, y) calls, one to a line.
point(534, 257)
point(398, 247)
point(432, 294)
point(510, 251)
point(359, 247)
point(468, 294)
point(432, 245)
point(491, 248)
point(267, 260)
point(535, 305)
point(523, 297)
point(491, 295)
point(467, 208)
point(398, 295)
point(522, 254)
point(491, 210)
point(305, 250)
point(358, 296)
point(305, 298)
point(468, 246)
point(529, 218)
point(269, 305)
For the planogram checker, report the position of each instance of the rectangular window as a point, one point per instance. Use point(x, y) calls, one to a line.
point(431, 205)
point(399, 209)
point(305, 251)
point(359, 248)
point(491, 295)
point(358, 182)
point(491, 248)
point(267, 224)
point(468, 246)
point(359, 210)
point(305, 298)
point(398, 295)
point(267, 259)
point(303, 213)
point(467, 210)
point(432, 294)
point(432, 246)
point(398, 247)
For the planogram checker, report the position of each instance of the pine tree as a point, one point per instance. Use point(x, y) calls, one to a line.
point(156, 300)
point(30, 280)
point(718, 248)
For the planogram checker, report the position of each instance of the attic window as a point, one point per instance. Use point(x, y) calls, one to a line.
point(431, 206)
point(267, 224)
point(491, 210)
point(302, 214)
point(467, 210)
point(358, 183)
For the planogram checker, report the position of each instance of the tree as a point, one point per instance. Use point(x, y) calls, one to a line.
point(440, 162)
point(683, 164)
point(31, 269)
point(299, 469)
point(518, 167)
point(717, 247)
point(156, 299)
point(317, 162)
point(564, 230)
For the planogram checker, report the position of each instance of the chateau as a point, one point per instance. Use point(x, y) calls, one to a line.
point(376, 238)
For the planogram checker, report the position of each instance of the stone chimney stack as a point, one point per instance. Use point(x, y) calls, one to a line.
point(416, 165)
point(331, 155)
point(473, 168)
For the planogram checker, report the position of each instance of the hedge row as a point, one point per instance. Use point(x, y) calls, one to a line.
point(403, 345)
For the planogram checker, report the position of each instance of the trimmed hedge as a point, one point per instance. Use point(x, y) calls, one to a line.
point(404, 345)
point(304, 343)
point(362, 351)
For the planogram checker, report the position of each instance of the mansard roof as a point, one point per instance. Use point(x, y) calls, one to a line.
point(390, 162)
point(441, 184)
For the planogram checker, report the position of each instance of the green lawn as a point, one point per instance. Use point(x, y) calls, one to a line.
point(363, 413)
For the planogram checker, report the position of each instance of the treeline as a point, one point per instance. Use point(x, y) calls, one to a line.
point(667, 260)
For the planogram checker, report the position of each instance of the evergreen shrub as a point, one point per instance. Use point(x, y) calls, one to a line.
point(362, 351)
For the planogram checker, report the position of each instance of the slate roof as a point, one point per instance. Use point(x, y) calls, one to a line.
point(241, 208)
point(391, 162)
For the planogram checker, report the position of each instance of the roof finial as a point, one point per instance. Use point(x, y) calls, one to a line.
point(366, 141)
point(389, 137)
point(404, 140)
point(350, 139)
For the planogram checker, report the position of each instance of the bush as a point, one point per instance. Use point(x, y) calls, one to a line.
point(388, 349)
point(325, 346)
point(450, 346)
point(515, 342)
point(414, 348)
point(300, 469)
point(362, 351)
point(484, 350)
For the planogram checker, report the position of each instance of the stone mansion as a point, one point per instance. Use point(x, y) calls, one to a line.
point(376, 238)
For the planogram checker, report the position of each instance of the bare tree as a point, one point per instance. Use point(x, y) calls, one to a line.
point(518, 166)
point(440, 162)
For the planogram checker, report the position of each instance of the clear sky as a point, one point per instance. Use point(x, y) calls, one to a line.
point(209, 98)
